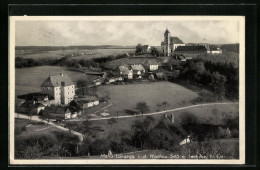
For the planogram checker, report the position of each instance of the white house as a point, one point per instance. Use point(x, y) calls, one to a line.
point(60, 87)
point(152, 65)
point(125, 72)
point(215, 51)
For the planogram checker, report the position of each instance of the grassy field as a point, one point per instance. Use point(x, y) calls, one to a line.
point(125, 97)
point(61, 53)
point(34, 128)
point(28, 80)
point(205, 114)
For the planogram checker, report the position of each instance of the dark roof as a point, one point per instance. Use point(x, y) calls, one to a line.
point(55, 81)
point(176, 40)
point(39, 105)
point(56, 109)
point(191, 48)
point(145, 46)
point(167, 31)
point(34, 96)
point(213, 48)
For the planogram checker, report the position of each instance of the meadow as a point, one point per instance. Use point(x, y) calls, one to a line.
point(29, 80)
point(125, 97)
point(56, 54)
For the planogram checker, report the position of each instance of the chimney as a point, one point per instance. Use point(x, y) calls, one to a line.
point(61, 74)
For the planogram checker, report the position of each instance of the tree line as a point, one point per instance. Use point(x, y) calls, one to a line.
point(221, 78)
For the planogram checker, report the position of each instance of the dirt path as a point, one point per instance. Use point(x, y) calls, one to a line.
point(36, 118)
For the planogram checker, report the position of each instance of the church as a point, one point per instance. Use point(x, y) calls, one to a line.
point(170, 43)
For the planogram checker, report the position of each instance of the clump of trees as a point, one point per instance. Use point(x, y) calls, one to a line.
point(142, 108)
point(38, 146)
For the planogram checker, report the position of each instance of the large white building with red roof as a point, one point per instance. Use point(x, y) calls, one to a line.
point(60, 87)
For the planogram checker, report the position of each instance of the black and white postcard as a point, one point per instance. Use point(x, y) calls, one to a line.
point(127, 90)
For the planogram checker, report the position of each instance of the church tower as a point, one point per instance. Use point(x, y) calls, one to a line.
point(167, 37)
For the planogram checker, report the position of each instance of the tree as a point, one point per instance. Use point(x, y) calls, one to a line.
point(154, 51)
point(165, 104)
point(142, 131)
point(142, 107)
point(112, 121)
point(218, 83)
point(138, 48)
point(82, 83)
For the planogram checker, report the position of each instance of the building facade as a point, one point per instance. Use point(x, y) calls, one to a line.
point(170, 43)
point(60, 87)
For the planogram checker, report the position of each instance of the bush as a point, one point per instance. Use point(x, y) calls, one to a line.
point(99, 146)
point(187, 118)
point(121, 147)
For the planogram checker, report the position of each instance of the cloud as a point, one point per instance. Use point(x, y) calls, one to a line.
point(65, 33)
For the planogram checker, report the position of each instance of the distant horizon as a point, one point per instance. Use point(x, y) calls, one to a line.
point(111, 45)
point(126, 33)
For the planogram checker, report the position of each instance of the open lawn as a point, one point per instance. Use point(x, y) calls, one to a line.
point(29, 80)
point(125, 97)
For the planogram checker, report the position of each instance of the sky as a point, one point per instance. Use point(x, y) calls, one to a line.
point(126, 33)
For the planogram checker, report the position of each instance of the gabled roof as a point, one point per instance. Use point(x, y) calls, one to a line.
point(137, 67)
point(56, 109)
point(35, 96)
point(124, 70)
point(152, 62)
point(55, 81)
point(176, 40)
point(145, 46)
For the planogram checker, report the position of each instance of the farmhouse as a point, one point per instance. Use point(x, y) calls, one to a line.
point(60, 87)
point(125, 72)
point(84, 102)
point(214, 50)
point(146, 48)
point(138, 70)
point(152, 65)
point(29, 106)
point(57, 112)
point(170, 43)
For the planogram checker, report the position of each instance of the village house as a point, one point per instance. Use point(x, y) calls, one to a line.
point(60, 87)
point(56, 112)
point(126, 72)
point(138, 70)
point(29, 106)
point(152, 65)
point(84, 102)
point(146, 49)
point(214, 50)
